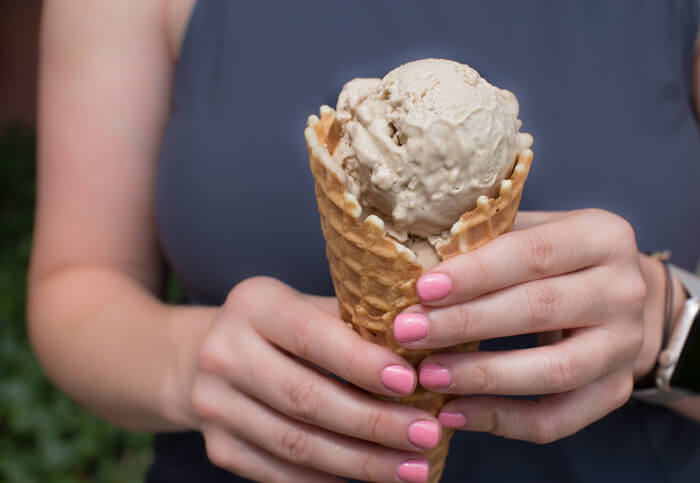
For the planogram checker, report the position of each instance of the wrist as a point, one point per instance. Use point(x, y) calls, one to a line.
point(653, 316)
point(654, 321)
point(187, 327)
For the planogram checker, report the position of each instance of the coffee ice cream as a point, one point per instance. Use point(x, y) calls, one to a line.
point(423, 143)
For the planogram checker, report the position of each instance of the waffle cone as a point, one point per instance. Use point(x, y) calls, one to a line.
point(374, 275)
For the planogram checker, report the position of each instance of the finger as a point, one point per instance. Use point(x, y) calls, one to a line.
point(305, 395)
point(527, 219)
point(247, 460)
point(571, 363)
point(303, 444)
point(544, 420)
point(567, 244)
point(289, 321)
point(572, 300)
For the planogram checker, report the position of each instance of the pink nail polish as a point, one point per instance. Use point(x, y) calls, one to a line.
point(413, 471)
point(425, 434)
point(433, 286)
point(410, 327)
point(452, 420)
point(434, 376)
point(398, 379)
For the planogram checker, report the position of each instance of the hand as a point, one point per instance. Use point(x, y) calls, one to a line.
point(268, 415)
point(576, 274)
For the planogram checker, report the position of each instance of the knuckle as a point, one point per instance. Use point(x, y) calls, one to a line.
point(214, 355)
point(624, 391)
point(613, 235)
point(219, 454)
point(474, 273)
point(623, 231)
point(633, 292)
point(636, 340)
point(485, 379)
point(239, 296)
point(244, 297)
point(628, 296)
point(297, 446)
point(303, 337)
point(305, 399)
point(599, 215)
point(619, 232)
point(375, 424)
point(609, 360)
point(544, 431)
point(368, 467)
point(350, 361)
point(542, 303)
point(492, 423)
point(467, 319)
point(201, 403)
point(564, 373)
point(538, 251)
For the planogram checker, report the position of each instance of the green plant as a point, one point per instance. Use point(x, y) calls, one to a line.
point(44, 436)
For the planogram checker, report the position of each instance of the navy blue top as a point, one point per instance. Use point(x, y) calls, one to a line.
point(604, 87)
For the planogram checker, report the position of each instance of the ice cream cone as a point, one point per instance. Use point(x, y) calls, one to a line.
point(374, 275)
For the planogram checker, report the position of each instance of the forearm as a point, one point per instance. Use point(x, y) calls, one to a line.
point(112, 346)
point(653, 273)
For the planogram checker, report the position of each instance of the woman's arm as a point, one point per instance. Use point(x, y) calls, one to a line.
point(243, 374)
point(95, 323)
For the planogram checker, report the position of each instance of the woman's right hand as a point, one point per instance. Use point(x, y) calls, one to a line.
point(268, 415)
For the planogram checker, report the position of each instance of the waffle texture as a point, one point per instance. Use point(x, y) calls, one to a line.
point(374, 275)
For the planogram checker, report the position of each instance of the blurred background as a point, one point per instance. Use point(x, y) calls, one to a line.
point(44, 437)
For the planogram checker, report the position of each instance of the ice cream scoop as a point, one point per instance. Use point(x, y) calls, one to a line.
point(423, 143)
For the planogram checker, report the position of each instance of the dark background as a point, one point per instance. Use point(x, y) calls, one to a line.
point(44, 437)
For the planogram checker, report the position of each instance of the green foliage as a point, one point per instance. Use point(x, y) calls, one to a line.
point(44, 437)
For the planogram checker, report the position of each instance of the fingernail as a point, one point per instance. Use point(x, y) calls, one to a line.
point(433, 286)
point(410, 327)
point(398, 379)
point(434, 376)
point(425, 434)
point(452, 420)
point(413, 471)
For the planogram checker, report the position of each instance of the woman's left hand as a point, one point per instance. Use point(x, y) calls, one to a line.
point(576, 274)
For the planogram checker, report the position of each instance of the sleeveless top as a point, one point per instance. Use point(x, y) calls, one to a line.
point(604, 87)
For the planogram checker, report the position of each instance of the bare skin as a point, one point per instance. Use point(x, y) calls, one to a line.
point(102, 334)
point(95, 319)
point(573, 273)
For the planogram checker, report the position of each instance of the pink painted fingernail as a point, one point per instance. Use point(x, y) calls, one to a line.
point(433, 286)
point(452, 420)
point(410, 327)
point(413, 471)
point(425, 434)
point(434, 376)
point(398, 379)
